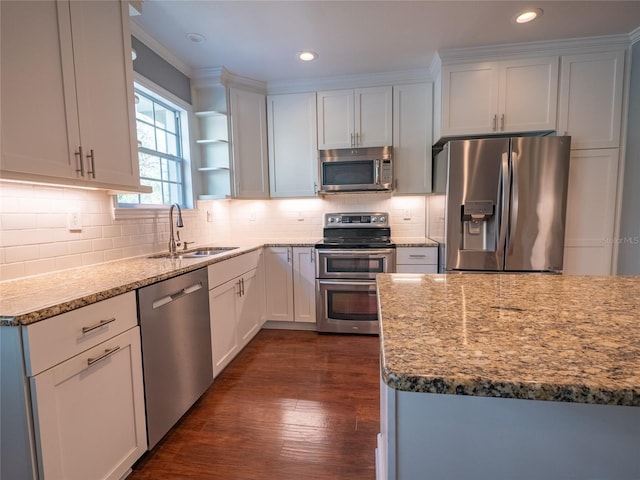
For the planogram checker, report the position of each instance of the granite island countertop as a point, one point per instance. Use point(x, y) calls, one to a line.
point(32, 299)
point(523, 336)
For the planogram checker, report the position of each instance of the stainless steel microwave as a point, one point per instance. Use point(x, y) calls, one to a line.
point(356, 170)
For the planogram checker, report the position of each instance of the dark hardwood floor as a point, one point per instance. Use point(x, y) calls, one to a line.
point(292, 405)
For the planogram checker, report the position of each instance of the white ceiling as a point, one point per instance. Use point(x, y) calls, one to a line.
point(259, 39)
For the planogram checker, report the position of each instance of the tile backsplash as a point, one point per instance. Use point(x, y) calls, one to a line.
point(35, 237)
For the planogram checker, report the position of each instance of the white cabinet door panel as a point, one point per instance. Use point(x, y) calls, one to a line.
point(304, 284)
point(469, 98)
point(293, 145)
point(374, 116)
point(590, 103)
point(223, 313)
point(89, 412)
point(279, 283)
point(591, 201)
point(528, 95)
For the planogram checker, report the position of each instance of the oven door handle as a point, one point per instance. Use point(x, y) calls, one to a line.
point(346, 282)
point(361, 251)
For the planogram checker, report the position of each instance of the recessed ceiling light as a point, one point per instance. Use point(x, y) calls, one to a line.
point(196, 37)
point(528, 15)
point(307, 56)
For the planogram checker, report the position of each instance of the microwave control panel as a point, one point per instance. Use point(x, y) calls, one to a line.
point(386, 171)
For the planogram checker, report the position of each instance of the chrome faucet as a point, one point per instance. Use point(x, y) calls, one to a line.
point(179, 224)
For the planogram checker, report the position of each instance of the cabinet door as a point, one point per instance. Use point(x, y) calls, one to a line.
point(412, 137)
point(373, 116)
point(37, 84)
point(335, 119)
point(249, 312)
point(304, 284)
point(293, 145)
point(469, 98)
point(528, 95)
point(278, 283)
point(223, 312)
point(591, 203)
point(249, 144)
point(89, 412)
point(104, 82)
point(590, 104)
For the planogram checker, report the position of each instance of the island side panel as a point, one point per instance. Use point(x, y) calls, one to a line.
point(454, 436)
point(17, 449)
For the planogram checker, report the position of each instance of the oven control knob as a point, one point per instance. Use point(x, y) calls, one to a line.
point(331, 219)
point(382, 219)
point(374, 219)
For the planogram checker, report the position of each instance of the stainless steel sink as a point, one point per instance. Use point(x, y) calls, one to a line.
point(202, 252)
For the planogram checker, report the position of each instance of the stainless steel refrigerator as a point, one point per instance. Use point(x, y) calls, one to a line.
point(505, 203)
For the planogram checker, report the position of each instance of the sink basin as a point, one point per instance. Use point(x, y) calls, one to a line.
point(197, 253)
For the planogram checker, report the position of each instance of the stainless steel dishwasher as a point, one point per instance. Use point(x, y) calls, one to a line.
point(176, 348)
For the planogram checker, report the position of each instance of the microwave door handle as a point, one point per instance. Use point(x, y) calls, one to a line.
point(377, 180)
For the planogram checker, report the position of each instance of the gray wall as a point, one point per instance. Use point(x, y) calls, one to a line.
point(629, 239)
point(152, 66)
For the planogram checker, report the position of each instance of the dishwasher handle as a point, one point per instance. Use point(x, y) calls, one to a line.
point(176, 295)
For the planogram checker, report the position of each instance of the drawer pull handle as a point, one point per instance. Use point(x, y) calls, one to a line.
point(101, 323)
point(416, 256)
point(107, 352)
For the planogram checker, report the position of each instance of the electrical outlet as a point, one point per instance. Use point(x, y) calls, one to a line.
point(74, 222)
point(406, 214)
point(209, 216)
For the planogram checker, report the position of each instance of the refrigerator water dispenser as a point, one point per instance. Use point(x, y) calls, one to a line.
point(479, 226)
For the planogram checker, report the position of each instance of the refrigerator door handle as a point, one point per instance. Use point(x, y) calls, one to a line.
point(504, 215)
point(514, 198)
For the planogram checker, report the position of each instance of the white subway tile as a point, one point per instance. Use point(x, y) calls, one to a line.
point(68, 261)
point(57, 249)
point(11, 271)
point(79, 246)
point(22, 253)
point(101, 244)
point(38, 267)
point(19, 221)
point(93, 258)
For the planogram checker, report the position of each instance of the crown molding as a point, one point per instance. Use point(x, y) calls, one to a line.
point(635, 36)
point(349, 81)
point(160, 49)
point(530, 49)
point(204, 77)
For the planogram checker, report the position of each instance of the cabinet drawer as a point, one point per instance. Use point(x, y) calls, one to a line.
point(417, 255)
point(417, 268)
point(226, 270)
point(53, 340)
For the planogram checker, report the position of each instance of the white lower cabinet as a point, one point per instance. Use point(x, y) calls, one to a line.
point(236, 304)
point(290, 284)
point(81, 375)
point(89, 412)
point(417, 259)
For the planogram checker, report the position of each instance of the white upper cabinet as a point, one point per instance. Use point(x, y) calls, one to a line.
point(355, 118)
point(590, 101)
point(498, 97)
point(249, 144)
point(413, 134)
point(293, 145)
point(67, 86)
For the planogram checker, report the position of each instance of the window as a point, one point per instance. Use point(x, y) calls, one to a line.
point(162, 133)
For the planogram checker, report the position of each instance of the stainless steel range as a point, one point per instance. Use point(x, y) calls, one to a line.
point(355, 247)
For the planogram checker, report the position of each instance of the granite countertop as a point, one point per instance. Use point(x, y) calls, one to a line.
point(523, 336)
point(28, 300)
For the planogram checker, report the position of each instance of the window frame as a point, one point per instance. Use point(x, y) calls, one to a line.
point(187, 123)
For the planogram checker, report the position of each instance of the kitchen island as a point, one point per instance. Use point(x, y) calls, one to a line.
point(508, 376)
